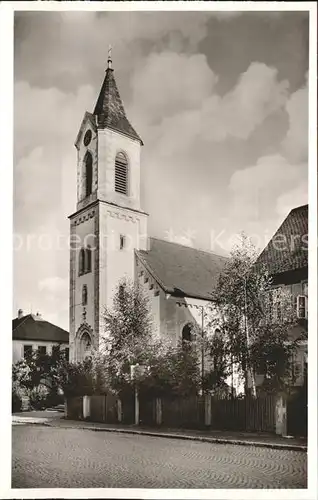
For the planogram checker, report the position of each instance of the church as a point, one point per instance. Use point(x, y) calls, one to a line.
point(109, 238)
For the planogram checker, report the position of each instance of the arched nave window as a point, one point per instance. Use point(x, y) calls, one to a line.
point(186, 334)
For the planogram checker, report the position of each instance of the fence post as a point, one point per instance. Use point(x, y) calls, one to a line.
point(280, 416)
point(207, 410)
point(86, 407)
point(158, 403)
point(136, 406)
point(119, 410)
point(65, 408)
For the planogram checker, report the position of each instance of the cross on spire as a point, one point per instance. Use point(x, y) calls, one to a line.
point(109, 60)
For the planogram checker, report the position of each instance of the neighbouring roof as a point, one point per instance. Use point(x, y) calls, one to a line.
point(31, 328)
point(288, 249)
point(182, 270)
point(110, 110)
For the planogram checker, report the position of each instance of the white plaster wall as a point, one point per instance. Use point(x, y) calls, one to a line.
point(18, 347)
point(154, 300)
point(173, 317)
point(116, 263)
point(85, 234)
point(109, 144)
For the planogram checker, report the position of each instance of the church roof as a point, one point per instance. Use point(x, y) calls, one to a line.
point(288, 249)
point(109, 108)
point(182, 270)
point(31, 327)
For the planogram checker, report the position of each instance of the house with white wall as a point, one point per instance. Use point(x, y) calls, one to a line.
point(286, 259)
point(31, 332)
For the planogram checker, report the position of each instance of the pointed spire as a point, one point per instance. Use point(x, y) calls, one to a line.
point(109, 108)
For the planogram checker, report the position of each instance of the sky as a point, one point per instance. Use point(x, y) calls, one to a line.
point(219, 99)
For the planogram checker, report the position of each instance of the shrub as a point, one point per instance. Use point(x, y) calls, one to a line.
point(54, 399)
point(16, 399)
point(39, 397)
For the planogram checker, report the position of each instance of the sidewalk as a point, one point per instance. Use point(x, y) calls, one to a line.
point(55, 419)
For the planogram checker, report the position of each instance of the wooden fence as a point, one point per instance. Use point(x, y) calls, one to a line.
point(183, 412)
point(246, 414)
point(103, 409)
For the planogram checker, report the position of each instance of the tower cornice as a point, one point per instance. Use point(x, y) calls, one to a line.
point(111, 204)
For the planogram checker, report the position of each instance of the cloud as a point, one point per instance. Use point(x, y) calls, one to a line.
point(130, 33)
point(257, 94)
point(295, 144)
point(169, 83)
point(48, 116)
point(53, 285)
point(267, 203)
point(252, 204)
point(45, 156)
point(262, 195)
point(186, 100)
point(293, 198)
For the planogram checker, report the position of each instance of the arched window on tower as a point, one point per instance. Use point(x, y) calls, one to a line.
point(186, 335)
point(84, 295)
point(88, 173)
point(121, 174)
point(88, 259)
point(81, 264)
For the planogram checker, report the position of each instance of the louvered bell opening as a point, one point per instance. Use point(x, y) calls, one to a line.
point(121, 174)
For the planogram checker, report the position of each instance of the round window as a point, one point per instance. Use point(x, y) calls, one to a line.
point(87, 137)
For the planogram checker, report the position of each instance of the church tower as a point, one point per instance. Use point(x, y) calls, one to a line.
point(108, 224)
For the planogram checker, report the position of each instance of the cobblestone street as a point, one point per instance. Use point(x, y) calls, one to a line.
point(44, 457)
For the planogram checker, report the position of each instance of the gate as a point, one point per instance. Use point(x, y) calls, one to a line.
point(147, 409)
point(103, 408)
point(128, 406)
point(245, 415)
point(297, 414)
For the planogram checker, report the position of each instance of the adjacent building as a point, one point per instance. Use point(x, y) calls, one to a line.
point(286, 258)
point(32, 333)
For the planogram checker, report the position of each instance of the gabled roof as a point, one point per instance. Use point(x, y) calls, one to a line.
point(31, 328)
point(181, 270)
point(87, 117)
point(109, 108)
point(288, 249)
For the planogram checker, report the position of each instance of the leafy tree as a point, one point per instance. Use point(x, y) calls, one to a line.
point(173, 370)
point(220, 366)
point(254, 320)
point(128, 336)
point(272, 355)
point(164, 368)
point(87, 377)
point(39, 370)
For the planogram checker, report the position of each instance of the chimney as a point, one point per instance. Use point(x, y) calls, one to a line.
point(20, 313)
